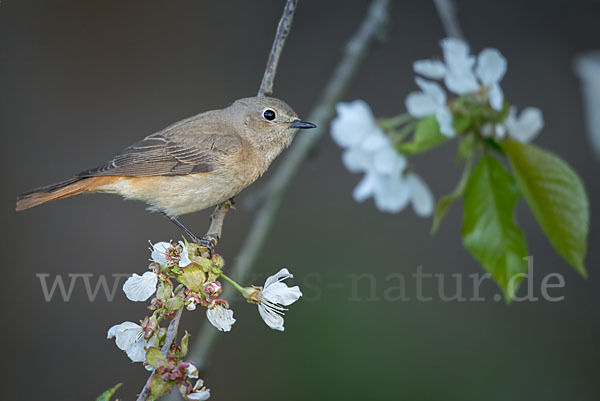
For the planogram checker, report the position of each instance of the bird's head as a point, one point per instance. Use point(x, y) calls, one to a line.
point(269, 124)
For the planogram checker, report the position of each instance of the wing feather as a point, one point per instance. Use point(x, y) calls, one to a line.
point(159, 154)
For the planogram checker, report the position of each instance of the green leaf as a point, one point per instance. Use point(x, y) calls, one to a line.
point(155, 358)
point(107, 395)
point(446, 201)
point(159, 386)
point(557, 198)
point(183, 345)
point(174, 303)
point(427, 135)
point(193, 277)
point(489, 231)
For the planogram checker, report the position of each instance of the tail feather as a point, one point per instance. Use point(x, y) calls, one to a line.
point(60, 190)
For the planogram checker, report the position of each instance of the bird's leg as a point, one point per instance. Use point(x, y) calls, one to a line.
point(213, 235)
point(184, 228)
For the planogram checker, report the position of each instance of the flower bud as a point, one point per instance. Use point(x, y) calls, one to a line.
point(252, 294)
point(212, 289)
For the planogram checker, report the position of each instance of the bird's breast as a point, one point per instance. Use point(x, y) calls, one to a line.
point(182, 194)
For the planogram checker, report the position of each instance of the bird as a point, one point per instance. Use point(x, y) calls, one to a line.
point(190, 165)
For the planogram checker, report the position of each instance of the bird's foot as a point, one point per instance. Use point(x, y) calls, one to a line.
point(209, 241)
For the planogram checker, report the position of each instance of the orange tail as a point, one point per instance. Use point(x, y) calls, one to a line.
point(64, 189)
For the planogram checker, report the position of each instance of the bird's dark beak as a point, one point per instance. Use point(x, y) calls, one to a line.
point(301, 124)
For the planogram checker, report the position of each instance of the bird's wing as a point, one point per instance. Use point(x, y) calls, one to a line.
point(160, 154)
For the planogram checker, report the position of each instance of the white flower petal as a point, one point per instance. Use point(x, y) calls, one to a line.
point(220, 317)
point(421, 197)
point(129, 337)
point(282, 274)
point(374, 141)
point(272, 319)
point(354, 121)
point(365, 188)
point(444, 119)
point(139, 288)
point(279, 293)
point(456, 55)
point(356, 160)
point(191, 372)
point(388, 161)
point(491, 66)
point(461, 82)
point(159, 252)
point(184, 258)
point(430, 68)
point(496, 97)
point(526, 126)
point(418, 105)
point(391, 194)
point(433, 90)
point(198, 392)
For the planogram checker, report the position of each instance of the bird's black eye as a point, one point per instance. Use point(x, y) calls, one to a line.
point(269, 114)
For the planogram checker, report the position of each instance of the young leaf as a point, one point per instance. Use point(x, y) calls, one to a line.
point(556, 197)
point(427, 135)
point(107, 395)
point(446, 201)
point(155, 358)
point(159, 386)
point(489, 231)
point(193, 277)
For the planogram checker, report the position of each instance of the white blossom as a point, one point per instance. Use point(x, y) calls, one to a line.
point(370, 151)
point(139, 288)
point(491, 67)
point(275, 296)
point(199, 392)
point(460, 74)
point(220, 316)
point(354, 123)
point(129, 337)
point(431, 100)
point(459, 77)
point(160, 252)
point(523, 128)
point(526, 126)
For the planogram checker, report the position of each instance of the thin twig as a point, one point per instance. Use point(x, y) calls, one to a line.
point(266, 89)
point(169, 339)
point(447, 11)
point(283, 29)
point(355, 53)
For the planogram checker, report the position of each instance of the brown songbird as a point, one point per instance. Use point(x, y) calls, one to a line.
point(191, 165)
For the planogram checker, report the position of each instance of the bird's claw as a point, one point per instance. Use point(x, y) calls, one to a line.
point(209, 242)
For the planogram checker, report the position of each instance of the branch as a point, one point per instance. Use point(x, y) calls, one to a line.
point(283, 29)
point(266, 89)
point(169, 339)
point(355, 52)
point(447, 11)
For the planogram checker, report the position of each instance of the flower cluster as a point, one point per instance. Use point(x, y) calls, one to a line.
point(367, 149)
point(477, 111)
point(198, 272)
point(478, 80)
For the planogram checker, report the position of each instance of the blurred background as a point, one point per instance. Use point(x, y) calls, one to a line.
point(81, 80)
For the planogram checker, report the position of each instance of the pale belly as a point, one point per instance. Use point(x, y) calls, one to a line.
point(177, 195)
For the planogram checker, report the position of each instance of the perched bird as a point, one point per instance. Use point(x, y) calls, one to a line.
point(191, 165)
